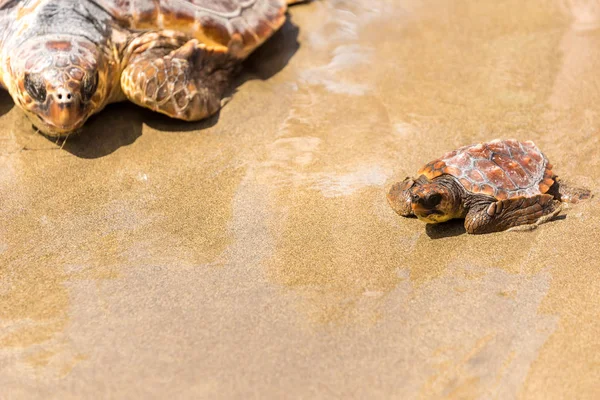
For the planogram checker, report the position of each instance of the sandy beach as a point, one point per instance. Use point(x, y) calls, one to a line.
point(254, 255)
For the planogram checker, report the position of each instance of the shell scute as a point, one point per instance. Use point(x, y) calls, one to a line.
point(480, 151)
point(61, 61)
point(430, 171)
point(475, 176)
point(503, 161)
point(452, 170)
point(466, 183)
point(497, 177)
point(484, 167)
point(244, 32)
point(487, 189)
point(215, 29)
point(439, 165)
point(518, 175)
point(502, 194)
point(500, 168)
point(462, 160)
point(239, 25)
point(513, 147)
point(529, 165)
point(536, 157)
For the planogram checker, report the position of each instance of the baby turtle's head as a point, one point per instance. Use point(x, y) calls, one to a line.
point(431, 201)
point(58, 82)
point(400, 196)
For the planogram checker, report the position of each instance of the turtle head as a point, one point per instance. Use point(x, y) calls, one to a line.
point(59, 83)
point(400, 195)
point(436, 200)
point(431, 201)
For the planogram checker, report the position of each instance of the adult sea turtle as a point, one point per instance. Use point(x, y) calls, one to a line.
point(494, 186)
point(64, 60)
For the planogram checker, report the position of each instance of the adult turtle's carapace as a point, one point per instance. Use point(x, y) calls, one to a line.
point(64, 60)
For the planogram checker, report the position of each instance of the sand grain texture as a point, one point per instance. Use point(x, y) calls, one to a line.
point(254, 255)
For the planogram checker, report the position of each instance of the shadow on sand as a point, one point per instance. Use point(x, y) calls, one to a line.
point(121, 124)
point(455, 227)
point(6, 102)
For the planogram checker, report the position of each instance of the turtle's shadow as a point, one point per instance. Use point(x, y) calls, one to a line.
point(6, 102)
point(118, 125)
point(270, 58)
point(454, 227)
point(121, 124)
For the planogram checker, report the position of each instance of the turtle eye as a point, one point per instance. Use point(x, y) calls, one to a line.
point(433, 200)
point(89, 85)
point(35, 86)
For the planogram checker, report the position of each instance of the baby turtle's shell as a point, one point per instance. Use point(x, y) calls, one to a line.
point(500, 168)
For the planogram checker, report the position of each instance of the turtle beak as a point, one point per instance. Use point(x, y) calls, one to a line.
point(427, 215)
point(419, 210)
point(429, 209)
point(65, 110)
point(64, 114)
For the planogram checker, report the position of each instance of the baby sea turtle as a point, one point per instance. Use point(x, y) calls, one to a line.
point(64, 60)
point(494, 186)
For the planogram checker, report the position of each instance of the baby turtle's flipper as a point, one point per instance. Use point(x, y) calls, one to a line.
point(521, 212)
point(182, 81)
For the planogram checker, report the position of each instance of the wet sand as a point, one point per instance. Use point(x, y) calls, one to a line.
point(254, 254)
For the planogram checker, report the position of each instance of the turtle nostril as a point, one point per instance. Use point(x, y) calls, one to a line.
point(64, 96)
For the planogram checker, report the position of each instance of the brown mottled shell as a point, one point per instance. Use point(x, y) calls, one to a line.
point(500, 168)
point(239, 25)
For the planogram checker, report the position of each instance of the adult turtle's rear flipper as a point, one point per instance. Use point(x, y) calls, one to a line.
point(519, 212)
point(184, 82)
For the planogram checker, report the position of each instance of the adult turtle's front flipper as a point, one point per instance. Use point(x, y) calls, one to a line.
point(511, 213)
point(185, 82)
